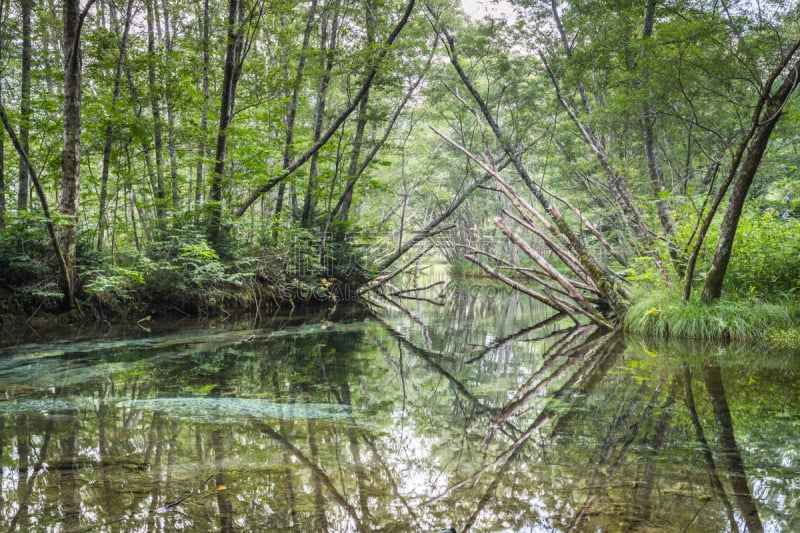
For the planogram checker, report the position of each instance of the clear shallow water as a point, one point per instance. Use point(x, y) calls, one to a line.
point(454, 411)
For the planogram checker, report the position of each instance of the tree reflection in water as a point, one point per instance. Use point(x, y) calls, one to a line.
point(473, 408)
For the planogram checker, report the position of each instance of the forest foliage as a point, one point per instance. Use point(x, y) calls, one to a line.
point(218, 155)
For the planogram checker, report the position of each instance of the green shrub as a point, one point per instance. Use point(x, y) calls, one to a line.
point(26, 254)
point(183, 269)
point(765, 260)
point(766, 255)
point(115, 286)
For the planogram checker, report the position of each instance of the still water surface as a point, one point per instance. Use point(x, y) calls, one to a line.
point(471, 409)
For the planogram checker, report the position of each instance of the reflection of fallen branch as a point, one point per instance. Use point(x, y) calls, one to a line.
point(169, 506)
point(416, 289)
point(311, 465)
point(519, 335)
point(603, 346)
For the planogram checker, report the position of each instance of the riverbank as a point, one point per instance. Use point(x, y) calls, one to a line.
point(255, 298)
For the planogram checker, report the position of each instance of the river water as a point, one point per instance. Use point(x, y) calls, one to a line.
point(470, 408)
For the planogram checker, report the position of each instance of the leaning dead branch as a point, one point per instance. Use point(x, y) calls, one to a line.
point(384, 279)
point(567, 258)
point(588, 224)
point(547, 298)
point(562, 280)
point(537, 276)
point(529, 217)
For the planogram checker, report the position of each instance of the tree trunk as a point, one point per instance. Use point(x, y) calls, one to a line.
point(291, 109)
point(103, 219)
point(71, 152)
point(171, 140)
point(2, 174)
point(225, 117)
point(653, 166)
point(23, 193)
point(155, 108)
point(358, 137)
point(772, 111)
point(346, 199)
point(201, 156)
point(328, 47)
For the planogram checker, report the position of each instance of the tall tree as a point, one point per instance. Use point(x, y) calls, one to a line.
point(110, 126)
point(328, 43)
point(2, 173)
point(769, 109)
point(291, 108)
point(73, 18)
point(235, 52)
point(649, 115)
point(357, 144)
point(200, 165)
point(23, 193)
point(155, 109)
point(169, 79)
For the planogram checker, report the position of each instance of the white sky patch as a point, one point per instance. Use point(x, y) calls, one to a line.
point(496, 9)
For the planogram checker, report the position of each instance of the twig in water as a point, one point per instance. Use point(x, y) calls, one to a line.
point(169, 506)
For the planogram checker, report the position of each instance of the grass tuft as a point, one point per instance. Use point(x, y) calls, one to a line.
point(664, 315)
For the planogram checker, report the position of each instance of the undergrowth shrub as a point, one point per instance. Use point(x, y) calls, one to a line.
point(28, 268)
point(765, 260)
point(766, 255)
point(26, 254)
point(182, 268)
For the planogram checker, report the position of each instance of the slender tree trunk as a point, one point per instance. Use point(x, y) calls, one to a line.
point(171, 139)
point(289, 133)
point(225, 116)
point(358, 137)
point(201, 156)
point(653, 167)
point(2, 173)
point(71, 152)
point(155, 108)
point(103, 218)
point(346, 199)
point(291, 109)
point(24, 186)
point(328, 47)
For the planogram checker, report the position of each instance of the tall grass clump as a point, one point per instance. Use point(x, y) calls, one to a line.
point(663, 314)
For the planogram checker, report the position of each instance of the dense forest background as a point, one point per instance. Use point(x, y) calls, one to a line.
point(208, 156)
